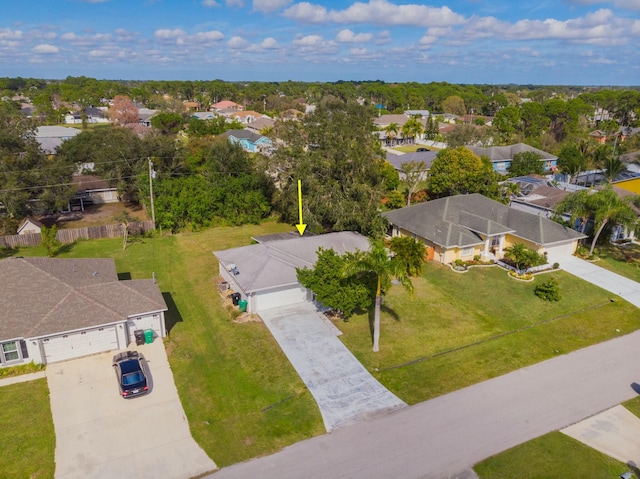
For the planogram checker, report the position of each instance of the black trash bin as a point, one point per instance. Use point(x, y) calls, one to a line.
point(139, 334)
point(235, 298)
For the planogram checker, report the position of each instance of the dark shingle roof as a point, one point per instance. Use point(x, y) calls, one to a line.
point(458, 221)
point(502, 153)
point(42, 296)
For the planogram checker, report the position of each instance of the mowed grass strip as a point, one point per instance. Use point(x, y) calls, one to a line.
point(623, 259)
point(27, 434)
point(240, 393)
point(460, 329)
point(552, 456)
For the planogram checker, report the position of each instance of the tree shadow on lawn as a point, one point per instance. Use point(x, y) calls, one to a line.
point(383, 309)
point(172, 316)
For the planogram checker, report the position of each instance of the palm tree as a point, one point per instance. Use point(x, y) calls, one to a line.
point(380, 262)
point(602, 207)
point(613, 166)
point(392, 131)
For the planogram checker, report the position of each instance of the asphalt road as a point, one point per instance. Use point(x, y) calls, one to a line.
point(444, 437)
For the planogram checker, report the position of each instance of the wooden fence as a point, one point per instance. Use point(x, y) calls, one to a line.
point(72, 235)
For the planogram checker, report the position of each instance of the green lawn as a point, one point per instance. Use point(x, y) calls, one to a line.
point(551, 456)
point(622, 259)
point(465, 328)
point(27, 435)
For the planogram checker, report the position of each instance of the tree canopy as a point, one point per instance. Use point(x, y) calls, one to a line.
point(457, 171)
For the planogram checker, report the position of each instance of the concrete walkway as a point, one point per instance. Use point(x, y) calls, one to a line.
point(23, 378)
point(605, 279)
point(345, 391)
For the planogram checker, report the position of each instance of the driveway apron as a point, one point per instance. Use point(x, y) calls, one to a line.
point(605, 279)
point(344, 390)
point(101, 435)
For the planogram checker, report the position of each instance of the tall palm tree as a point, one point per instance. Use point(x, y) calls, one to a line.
point(392, 132)
point(602, 207)
point(385, 266)
point(613, 166)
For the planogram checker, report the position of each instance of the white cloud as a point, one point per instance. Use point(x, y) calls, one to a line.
point(210, 3)
point(45, 48)
point(383, 37)
point(206, 37)
point(347, 36)
point(6, 34)
point(625, 4)
point(268, 6)
point(377, 12)
point(269, 44)
point(238, 43)
point(314, 44)
point(234, 3)
point(166, 34)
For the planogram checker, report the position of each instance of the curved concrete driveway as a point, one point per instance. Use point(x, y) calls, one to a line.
point(100, 435)
point(344, 390)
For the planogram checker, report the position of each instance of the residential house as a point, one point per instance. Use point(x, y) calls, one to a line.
point(246, 117)
point(260, 124)
point(145, 115)
point(398, 159)
point(54, 309)
point(91, 190)
point(250, 141)
point(502, 156)
point(464, 226)
point(91, 115)
point(599, 135)
point(204, 115)
point(264, 274)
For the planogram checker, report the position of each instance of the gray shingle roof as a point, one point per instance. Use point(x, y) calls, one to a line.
point(458, 221)
point(397, 160)
point(42, 296)
point(273, 263)
point(502, 153)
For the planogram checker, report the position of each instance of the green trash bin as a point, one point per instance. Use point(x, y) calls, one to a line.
point(242, 304)
point(148, 336)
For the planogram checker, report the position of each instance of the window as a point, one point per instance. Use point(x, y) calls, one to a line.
point(10, 351)
point(495, 241)
point(467, 251)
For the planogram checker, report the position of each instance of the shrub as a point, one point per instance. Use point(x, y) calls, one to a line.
point(476, 258)
point(556, 265)
point(549, 290)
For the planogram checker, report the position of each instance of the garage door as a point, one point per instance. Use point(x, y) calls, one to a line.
point(555, 253)
point(276, 299)
point(83, 343)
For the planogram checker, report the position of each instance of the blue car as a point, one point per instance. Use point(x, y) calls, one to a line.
point(130, 368)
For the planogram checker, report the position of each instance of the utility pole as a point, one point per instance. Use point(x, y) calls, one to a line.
point(153, 210)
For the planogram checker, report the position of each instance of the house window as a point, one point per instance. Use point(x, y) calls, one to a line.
point(10, 351)
point(467, 251)
point(495, 241)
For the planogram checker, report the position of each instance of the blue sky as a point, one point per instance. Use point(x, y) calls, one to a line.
point(577, 42)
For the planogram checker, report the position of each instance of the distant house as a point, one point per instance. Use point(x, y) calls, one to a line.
point(260, 124)
point(51, 137)
point(204, 115)
point(91, 190)
point(248, 140)
point(221, 105)
point(463, 226)
point(502, 156)
point(29, 225)
point(397, 160)
point(247, 117)
point(91, 115)
point(145, 115)
point(599, 136)
point(54, 309)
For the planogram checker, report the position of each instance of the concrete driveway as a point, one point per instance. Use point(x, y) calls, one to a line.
point(344, 390)
point(100, 435)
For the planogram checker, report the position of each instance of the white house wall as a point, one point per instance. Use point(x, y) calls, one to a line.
point(154, 321)
point(277, 297)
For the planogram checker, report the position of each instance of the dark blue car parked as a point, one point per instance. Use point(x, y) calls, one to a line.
point(130, 368)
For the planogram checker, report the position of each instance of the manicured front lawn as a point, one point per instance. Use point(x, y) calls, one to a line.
point(27, 434)
point(623, 259)
point(551, 456)
point(241, 395)
point(460, 329)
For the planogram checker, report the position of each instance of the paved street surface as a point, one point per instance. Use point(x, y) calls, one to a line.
point(100, 435)
point(444, 437)
point(614, 432)
point(343, 389)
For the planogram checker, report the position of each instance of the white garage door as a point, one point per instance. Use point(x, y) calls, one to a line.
point(556, 253)
point(280, 298)
point(83, 343)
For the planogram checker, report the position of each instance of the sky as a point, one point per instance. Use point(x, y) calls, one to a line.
point(541, 42)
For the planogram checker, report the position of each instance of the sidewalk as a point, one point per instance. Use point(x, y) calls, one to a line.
point(23, 378)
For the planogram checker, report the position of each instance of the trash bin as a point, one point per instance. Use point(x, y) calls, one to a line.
point(139, 335)
point(235, 298)
point(242, 304)
point(148, 336)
